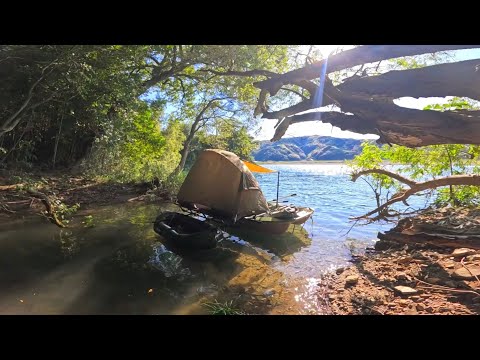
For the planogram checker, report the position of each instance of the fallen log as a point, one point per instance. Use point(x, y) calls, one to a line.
point(470, 242)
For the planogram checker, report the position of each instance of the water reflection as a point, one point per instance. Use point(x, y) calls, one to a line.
point(121, 266)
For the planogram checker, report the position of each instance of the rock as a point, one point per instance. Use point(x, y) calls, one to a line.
point(434, 280)
point(402, 277)
point(269, 292)
point(475, 257)
point(405, 290)
point(403, 302)
point(382, 245)
point(340, 270)
point(411, 311)
point(451, 284)
point(449, 265)
point(418, 256)
point(420, 307)
point(464, 274)
point(429, 309)
point(462, 252)
point(351, 280)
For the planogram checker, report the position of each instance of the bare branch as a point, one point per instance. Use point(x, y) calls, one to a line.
point(393, 175)
point(416, 187)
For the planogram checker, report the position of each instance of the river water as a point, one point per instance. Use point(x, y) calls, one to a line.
point(121, 266)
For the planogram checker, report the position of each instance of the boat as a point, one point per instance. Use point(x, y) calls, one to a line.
point(184, 231)
point(278, 221)
point(221, 186)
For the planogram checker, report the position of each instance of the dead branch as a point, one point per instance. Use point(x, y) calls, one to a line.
point(393, 175)
point(10, 187)
point(415, 187)
point(52, 216)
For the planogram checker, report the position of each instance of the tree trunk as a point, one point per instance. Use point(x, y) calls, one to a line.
point(57, 139)
point(184, 152)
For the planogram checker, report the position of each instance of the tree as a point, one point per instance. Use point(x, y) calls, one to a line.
point(366, 102)
point(453, 168)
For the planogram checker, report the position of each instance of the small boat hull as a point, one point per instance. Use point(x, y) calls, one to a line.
point(275, 224)
point(186, 232)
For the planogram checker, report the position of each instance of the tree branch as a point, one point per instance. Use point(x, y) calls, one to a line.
point(454, 79)
point(415, 187)
point(393, 175)
point(349, 58)
point(251, 73)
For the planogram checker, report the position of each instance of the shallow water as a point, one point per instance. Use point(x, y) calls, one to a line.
point(120, 266)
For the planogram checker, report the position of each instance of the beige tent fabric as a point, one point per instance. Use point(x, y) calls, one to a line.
point(222, 182)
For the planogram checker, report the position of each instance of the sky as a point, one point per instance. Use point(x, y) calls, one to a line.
point(265, 130)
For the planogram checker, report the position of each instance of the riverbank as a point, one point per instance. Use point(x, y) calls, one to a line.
point(24, 194)
point(406, 279)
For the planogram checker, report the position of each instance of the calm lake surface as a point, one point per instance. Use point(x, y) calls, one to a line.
point(121, 266)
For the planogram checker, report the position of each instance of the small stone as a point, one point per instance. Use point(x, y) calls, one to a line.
point(443, 309)
point(332, 297)
point(462, 252)
point(411, 311)
point(403, 302)
point(429, 309)
point(451, 284)
point(269, 292)
point(404, 260)
point(449, 265)
point(465, 274)
point(351, 280)
point(434, 280)
point(415, 297)
point(420, 307)
point(401, 277)
point(340, 270)
point(405, 290)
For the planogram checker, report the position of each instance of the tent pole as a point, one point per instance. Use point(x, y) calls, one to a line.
point(278, 186)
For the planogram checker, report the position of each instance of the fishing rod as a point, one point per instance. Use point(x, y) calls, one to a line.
point(284, 197)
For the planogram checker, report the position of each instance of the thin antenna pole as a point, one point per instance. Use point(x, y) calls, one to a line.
point(278, 186)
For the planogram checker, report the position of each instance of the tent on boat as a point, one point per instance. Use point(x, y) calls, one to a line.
point(222, 183)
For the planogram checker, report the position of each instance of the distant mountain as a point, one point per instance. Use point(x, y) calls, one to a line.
point(308, 148)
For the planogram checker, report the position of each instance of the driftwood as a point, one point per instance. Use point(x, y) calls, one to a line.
point(366, 102)
point(52, 216)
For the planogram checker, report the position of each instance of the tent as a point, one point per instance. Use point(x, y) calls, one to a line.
point(220, 181)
